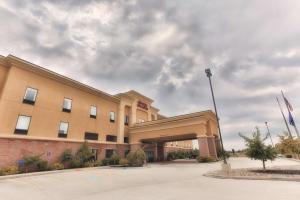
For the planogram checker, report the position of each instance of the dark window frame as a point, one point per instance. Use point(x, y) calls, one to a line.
point(27, 101)
point(91, 136)
point(111, 138)
point(93, 116)
point(22, 131)
point(110, 119)
point(126, 120)
point(126, 140)
point(67, 110)
point(60, 134)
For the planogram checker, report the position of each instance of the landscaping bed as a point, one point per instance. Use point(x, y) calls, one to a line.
point(290, 173)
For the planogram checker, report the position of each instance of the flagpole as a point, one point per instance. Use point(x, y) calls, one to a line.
point(269, 133)
point(287, 126)
point(288, 109)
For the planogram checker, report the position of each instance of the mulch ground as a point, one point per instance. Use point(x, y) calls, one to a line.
point(288, 173)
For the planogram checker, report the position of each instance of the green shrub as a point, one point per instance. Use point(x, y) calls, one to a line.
point(66, 156)
point(105, 161)
point(1, 172)
point(98, 163)
point(124, 162)
point(57, 166)
point(172, 155)
point(89, 164)
point(137, 158)
point(205, 159)
point(84, 154)
point(114, 159)
point(10, 170)
point(194, 154)
point(76, 162)
point(30, 162)
point(42, 165)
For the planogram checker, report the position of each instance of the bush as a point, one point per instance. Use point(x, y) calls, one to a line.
point(57, 166)
point(192, 154)
point(84, 154)
point(114, 159)
point(30, 162)
point(42, 165)
point(124, 162)
point(76, 162)
point(137, 158)
point(89, 164)
point(66, 156)
point(10, 170)
point(172, 155)
point(208, 159)
point(98, 163)
point(105, 162)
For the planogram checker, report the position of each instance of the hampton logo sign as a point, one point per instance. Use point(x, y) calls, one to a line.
point(142, 105)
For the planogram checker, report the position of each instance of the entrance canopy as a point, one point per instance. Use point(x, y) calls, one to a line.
point(199, 125)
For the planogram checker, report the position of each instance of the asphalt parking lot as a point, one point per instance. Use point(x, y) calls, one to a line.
point(163, 181)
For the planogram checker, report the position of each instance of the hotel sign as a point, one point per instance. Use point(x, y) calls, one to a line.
point(142, 105)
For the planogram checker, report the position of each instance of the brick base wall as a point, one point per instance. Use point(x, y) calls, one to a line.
point(12, 149)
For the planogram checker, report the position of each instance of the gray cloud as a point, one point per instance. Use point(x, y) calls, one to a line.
point(161, 49)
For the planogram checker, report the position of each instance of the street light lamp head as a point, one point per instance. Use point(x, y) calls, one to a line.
point(208, 72)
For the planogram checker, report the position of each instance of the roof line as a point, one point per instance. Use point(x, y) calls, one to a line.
point(62, 77)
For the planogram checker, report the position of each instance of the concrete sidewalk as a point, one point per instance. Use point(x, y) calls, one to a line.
point(155, 181)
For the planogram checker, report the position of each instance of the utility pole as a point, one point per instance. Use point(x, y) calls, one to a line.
point(269, 133)
point(209, 74)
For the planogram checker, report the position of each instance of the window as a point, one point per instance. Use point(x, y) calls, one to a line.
point(91, 136)
point(67, 105)
point(22, 124)
point(109, 153)
point(126, 140)
point(112, 116)
point(93, 112)
point(126, 120)
point(30, 96)
point(63, 129)
point(111, 138)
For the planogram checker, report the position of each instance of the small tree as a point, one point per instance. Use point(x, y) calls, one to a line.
point(288, 145)
point(256, 148)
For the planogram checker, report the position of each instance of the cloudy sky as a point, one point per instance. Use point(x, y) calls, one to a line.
point(161, 48)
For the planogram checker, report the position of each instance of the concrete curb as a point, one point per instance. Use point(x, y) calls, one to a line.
point(251, 178)
point(49, 172)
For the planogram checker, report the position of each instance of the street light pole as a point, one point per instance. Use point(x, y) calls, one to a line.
point(209, 74)
point(269, 133)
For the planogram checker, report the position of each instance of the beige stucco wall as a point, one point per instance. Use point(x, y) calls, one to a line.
point(47, 111)
point(141, 114)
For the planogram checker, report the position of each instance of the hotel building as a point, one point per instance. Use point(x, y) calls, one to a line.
point(44, 113)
